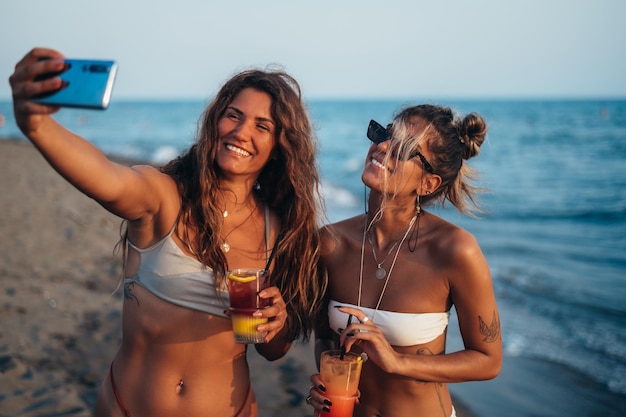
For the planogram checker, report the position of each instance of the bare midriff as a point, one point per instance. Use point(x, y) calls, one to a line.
point(176, 361)
point(410, 397)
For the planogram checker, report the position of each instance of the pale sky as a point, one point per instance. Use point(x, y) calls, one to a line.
point(336, 48)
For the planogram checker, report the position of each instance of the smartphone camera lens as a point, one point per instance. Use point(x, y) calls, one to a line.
point(99, 68)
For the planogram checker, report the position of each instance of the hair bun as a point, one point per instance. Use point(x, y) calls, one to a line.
point(472, 132)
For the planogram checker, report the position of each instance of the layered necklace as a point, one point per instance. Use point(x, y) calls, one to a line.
point(225, 213)
point(225, 245)
point(380, 271)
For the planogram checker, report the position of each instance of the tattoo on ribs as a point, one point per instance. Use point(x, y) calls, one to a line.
point(128, 292)
point(424, 351)
point(490, 332)
point(438, 389)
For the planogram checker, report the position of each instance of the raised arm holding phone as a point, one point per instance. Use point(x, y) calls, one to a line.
point(247, 187)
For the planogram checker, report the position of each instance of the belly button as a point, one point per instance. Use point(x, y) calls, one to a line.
point(180, 386)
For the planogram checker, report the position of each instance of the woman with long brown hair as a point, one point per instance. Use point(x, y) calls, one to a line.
point(246, 189)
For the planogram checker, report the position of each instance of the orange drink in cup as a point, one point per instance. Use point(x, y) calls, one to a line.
point(243, 289)
point(341, 379)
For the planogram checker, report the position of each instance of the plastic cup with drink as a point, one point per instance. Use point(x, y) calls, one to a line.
point(340, 372)
point(243, 290)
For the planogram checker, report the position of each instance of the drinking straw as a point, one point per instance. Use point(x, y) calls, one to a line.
point(342, 354)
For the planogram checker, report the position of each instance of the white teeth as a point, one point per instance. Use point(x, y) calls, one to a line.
point(377, 164)
point(237, 150)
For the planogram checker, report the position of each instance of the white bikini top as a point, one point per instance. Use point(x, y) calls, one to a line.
point(172, 275)
point(400, 329)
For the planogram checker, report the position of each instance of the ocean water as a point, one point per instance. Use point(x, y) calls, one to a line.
point(554, 232)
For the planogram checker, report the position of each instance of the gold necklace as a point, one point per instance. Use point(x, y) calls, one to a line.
point(393, 263)
point(225, 245)
point(225, 213)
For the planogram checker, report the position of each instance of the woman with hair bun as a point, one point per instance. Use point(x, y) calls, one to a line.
point(398, 269)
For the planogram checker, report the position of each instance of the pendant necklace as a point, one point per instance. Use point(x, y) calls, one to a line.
point(381, 273)
point(225, 245)
point(393, 263)
point(225, 213)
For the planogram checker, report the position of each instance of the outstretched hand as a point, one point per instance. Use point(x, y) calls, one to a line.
point(25, 86)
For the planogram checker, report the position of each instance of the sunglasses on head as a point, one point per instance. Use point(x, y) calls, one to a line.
point(379, 134)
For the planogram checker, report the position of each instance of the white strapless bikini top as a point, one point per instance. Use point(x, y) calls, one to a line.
point(400, 329)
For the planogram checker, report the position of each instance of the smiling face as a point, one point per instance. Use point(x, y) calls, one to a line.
point(388, 174)
point(246, 134)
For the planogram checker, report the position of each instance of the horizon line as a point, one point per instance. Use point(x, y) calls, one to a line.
point(389, 98)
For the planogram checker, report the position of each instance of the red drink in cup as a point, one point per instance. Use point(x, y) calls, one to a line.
point(243, 289)
point(341, 379)
point(343, 406)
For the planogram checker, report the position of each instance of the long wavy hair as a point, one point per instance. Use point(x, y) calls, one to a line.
point(289, 183)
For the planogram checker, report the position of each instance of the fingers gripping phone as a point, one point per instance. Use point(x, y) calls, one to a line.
point(88, 84)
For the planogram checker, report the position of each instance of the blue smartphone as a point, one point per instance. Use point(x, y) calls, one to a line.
point(88, 84)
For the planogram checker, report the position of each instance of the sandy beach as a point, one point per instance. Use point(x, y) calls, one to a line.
point(60, 312)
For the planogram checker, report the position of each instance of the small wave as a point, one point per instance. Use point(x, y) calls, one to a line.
point(545, 319)
point(555, 341)
point(164, 154)
point(541, 290)
point(338, 196)
point(595, 215)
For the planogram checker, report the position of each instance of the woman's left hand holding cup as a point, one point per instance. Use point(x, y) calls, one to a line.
point(316, 397)
point(276, 312)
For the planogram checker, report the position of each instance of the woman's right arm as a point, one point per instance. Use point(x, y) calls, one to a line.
point(325, 339)
point(122, 190)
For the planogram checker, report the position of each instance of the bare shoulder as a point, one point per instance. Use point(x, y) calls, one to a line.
point(460, 259)
point(155, 178)
point(148, 171)
point(338, 238)
point(454, 244)
point(157, 201)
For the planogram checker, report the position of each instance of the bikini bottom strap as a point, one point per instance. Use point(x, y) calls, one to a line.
point(245, 401)
point(117, 395)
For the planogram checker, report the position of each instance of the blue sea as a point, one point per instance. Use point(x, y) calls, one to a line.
point(554, 232)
